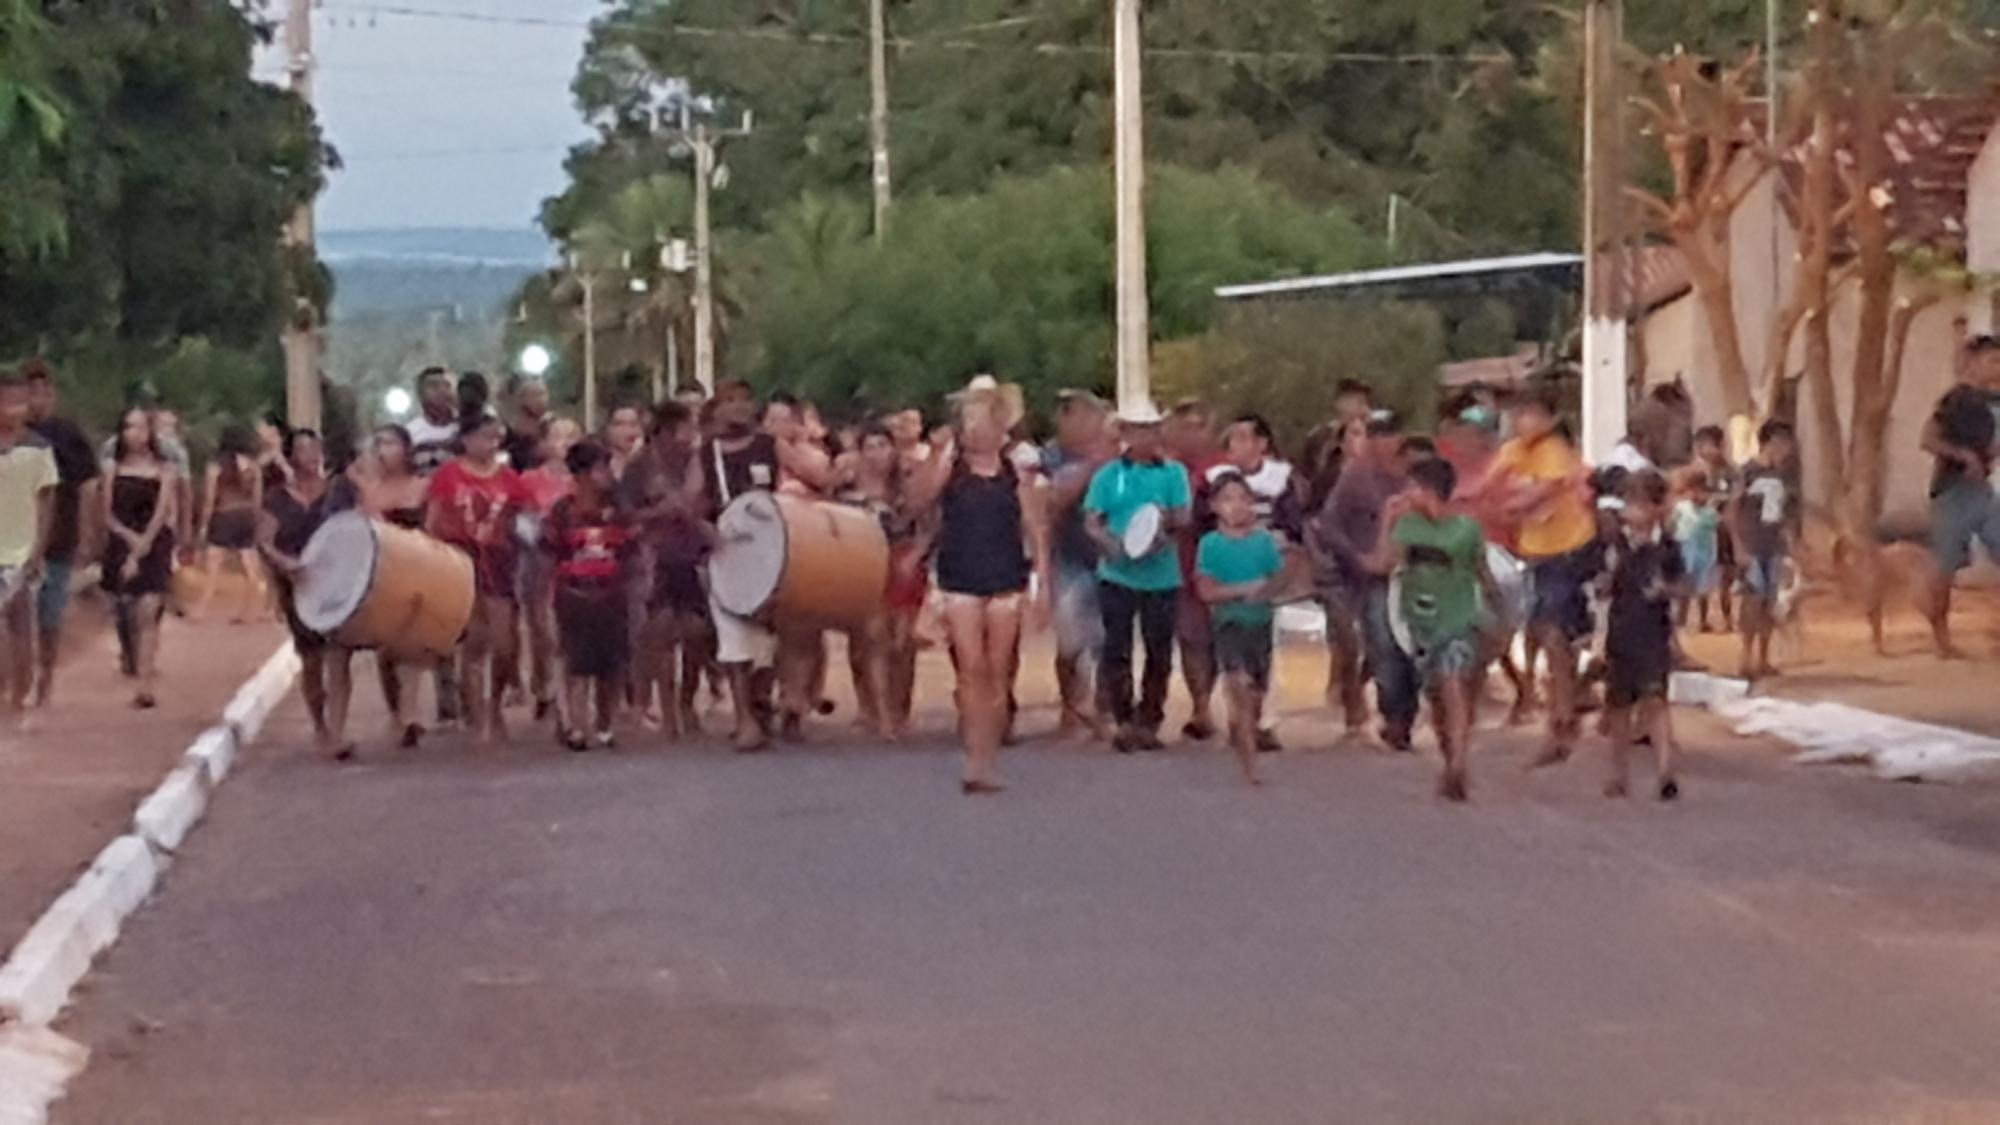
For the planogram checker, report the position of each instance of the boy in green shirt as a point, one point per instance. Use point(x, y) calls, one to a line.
point(1442, 588)
point(1236, 567)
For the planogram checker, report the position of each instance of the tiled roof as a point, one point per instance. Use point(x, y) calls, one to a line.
point(1932, 143)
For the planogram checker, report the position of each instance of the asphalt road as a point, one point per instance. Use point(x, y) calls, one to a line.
point(833, 934)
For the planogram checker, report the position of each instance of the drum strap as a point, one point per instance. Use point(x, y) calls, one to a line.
point(721, 478)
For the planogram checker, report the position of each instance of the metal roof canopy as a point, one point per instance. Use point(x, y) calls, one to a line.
point(1471, 278)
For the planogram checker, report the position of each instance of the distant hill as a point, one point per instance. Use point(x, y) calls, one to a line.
point(469, 272)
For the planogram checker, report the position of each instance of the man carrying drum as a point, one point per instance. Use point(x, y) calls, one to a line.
point(1135, 508)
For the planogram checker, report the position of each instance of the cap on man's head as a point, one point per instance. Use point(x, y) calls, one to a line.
point(1384, 422)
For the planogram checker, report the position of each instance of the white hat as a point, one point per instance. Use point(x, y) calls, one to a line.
point(1140, 413)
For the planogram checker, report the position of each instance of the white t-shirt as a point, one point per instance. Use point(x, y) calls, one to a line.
point(430, 444)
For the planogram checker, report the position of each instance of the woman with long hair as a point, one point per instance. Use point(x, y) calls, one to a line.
point(292, 513)
point(391, 490)
point(992, 537)
point(548, 482)
point(473, 501)
point(883, 656)
point(138, 560)
point(232, 494)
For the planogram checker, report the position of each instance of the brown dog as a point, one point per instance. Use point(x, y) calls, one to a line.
point(1879, 576)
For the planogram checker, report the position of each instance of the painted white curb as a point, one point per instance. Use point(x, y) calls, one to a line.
point(41, 973)
point(214, 754)
point(1832, 733)
point(165, 818)
point(35, 984)
point(35, 1065)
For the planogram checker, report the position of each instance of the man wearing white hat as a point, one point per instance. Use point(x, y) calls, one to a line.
point(1133, 509)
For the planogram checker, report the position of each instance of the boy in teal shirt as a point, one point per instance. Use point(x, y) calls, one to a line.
point(1139, 585)
point(1443, 588)
point(1235, 568)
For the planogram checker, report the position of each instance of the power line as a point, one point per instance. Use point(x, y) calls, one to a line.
point(904, 44)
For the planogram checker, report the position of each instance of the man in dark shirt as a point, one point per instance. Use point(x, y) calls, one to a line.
point(740, 459)
point(76, 468)
point(523, 444)
point(1961, 435)
point(1345, 535)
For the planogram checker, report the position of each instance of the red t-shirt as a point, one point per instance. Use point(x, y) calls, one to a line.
point(473, 509)
point(545, 487)
point(591, 546)
point(475, 514)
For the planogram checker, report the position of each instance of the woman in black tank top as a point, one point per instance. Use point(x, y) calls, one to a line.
point(991, 526)
point(391, 490)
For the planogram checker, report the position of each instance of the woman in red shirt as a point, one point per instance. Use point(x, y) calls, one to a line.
point(473, 502)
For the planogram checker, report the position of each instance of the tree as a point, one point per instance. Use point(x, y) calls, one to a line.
point(1015, 281)
point(176, 174)
point(32, 124)
point(1455, 91)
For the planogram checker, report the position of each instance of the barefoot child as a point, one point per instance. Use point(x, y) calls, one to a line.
point(1647, 575)
point(1439, 560)
point(1235, 568)
point(1764, 506)
point(1696, 525)
point(590, 544)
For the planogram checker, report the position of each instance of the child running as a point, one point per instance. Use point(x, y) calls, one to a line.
point(590, 543)
point(1235, 568)
point(1764, 506)
point(1647, 575)
point(1439, 563)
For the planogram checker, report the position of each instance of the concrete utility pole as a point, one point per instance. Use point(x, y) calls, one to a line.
point(302, 405)
point(1135, 384)
point(589, 351)
point(702, 141)
point(878, 109)
point(1606, 295)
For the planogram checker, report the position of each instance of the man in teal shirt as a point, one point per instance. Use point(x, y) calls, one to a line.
point(1141, 588)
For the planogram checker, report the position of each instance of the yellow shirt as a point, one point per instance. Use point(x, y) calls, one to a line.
point(1564, 523)
point(26, 469)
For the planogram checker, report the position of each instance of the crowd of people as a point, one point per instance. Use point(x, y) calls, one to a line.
point(1140, 538)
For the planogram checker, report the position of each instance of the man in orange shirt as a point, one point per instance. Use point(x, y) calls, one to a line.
point(1541, 484)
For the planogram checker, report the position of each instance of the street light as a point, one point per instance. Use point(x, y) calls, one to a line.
point(536, 360)
point(396, 400)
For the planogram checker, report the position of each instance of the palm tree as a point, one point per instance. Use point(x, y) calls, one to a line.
point(627, 241)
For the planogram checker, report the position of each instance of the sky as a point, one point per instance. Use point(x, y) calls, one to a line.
point(444, 119)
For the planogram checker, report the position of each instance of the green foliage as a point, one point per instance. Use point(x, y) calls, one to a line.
point(1015, 281)
point(1337, 101)
point(1283, 359)
point(32, 124)
point(174, 178)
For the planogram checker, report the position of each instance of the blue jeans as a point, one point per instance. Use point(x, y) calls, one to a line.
point(1965, 511)
point(1388, 665)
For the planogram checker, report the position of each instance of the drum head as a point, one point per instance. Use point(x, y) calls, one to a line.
point(339, 572)
point(745, 570)
point(1143, 531)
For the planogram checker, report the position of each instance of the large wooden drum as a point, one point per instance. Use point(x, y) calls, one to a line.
point(800, 560)
point(367, 584)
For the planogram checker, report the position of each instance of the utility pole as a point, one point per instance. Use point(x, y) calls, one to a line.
point(1135, 385)
point(1606, 297)
point(878, 109)
point(702, 141)
point(302, 405)
point(589, 280)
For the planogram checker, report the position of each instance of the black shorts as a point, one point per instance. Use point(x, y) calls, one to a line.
point(1635, 673)
point(303, 639)
point(233, 530)
point(1244, 650)
point(596, 643)
point(1562, 591)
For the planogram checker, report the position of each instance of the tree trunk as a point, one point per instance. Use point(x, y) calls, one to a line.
point(1817, 205)
point(1876, 266)
point(1709, 270)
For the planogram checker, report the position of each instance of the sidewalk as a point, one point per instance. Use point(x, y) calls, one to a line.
point(68, 787)
point(1836, 663)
